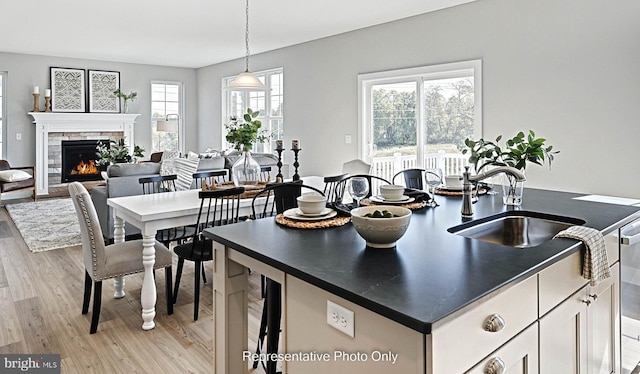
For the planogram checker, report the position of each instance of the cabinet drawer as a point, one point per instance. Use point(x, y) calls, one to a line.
point(519, 355)
point(462, 342)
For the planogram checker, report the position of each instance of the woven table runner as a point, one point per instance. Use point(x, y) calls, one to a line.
point(322, 224)
point(249, 192)
point(412, 206)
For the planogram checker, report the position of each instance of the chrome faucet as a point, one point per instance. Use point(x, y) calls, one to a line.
point(467, 179)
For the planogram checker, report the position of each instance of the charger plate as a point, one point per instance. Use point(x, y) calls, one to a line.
point(322, 224)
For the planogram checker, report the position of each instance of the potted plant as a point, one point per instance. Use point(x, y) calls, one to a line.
point(118, 152)
point(125, 99)
point(242, 134)
point(517, 153)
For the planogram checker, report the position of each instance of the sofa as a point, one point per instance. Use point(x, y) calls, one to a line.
point(122, 180)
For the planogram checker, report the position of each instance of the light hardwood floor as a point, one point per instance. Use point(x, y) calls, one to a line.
point(40, 310)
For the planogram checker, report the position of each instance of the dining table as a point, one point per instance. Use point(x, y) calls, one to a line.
point(151, 213)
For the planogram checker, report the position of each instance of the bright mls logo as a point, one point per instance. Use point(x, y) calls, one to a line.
point(41, 364)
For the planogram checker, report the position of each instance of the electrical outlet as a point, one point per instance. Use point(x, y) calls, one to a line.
point(340, 318)
point(18, 136)
point(347, 139)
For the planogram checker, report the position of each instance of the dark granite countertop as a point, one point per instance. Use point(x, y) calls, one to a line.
point(431, 274)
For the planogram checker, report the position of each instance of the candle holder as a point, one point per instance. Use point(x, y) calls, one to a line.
point(36, 104)
point(296, 163)
point(47, 103)
point(279, 164)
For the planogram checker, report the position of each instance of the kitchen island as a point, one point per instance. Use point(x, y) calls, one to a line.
point(403, 299)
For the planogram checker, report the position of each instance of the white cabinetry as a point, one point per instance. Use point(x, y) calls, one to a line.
point(518, 356)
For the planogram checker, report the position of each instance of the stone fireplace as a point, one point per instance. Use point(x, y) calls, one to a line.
point(54, 128)
point(79, 160)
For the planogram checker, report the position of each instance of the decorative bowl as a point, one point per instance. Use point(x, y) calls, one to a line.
point(381, 232)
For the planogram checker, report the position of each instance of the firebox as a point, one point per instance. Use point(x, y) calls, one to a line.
point(79, 160)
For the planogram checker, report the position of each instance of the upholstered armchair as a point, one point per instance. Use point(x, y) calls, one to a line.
point(16, 179)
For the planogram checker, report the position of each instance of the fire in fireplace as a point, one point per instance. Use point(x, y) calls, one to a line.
point(79, 160)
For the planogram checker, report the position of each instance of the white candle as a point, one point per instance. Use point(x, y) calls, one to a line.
point(279, 144)
point(47, 92)
point(36, 89)
point(295, 144)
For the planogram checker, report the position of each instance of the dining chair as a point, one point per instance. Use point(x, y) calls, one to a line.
point(161, 184)
point(110, 261)
point(356, 166)
point(279, 198)
point(217, 207)
point(333, 189)
point(412, 178)
point(265, 173)
point(374, 183)
point(207, 178)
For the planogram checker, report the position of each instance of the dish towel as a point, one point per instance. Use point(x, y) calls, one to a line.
point(595, 266)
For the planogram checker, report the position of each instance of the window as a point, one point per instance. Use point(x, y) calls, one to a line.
point(269, 103)
point(420, 117)
point(166, 104)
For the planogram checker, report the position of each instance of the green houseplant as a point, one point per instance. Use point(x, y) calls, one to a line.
point(517, 153)
point(125, 99)
point(118, 152)
point(242, 134)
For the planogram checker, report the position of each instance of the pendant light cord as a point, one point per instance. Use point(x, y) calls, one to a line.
point(246, 38)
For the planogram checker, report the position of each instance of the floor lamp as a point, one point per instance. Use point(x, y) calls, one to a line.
point(169, 124)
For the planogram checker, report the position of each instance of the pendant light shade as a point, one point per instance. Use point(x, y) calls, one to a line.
point(246, 81)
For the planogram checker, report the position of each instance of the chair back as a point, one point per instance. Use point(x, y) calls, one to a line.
point(265, 173)
point(374, 183)
point(4, 165)
point(217, 207)
point(356, 166)
point(412, 178)
point(208, 177)
point(333, 189)
point(93, 246)
point(157, 184)
point(279, 197)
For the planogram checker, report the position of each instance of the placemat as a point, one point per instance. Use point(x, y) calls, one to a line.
point(411, 206)
point(438, 191)
point(322, 224)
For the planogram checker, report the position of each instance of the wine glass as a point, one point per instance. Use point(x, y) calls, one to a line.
point(358, 188)
point(433, 177)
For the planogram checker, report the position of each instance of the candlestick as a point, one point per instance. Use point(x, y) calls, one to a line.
point(36, 90)
point(47, 103)
point(296, 176)
point(36, 99)
point(47, 92)
point(279, 164)
point(295, 144)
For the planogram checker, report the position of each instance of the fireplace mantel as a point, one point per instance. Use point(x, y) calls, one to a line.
point(47, 122)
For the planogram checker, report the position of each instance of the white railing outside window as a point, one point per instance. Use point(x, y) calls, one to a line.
point(450, 163)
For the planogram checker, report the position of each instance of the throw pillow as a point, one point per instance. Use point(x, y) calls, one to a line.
point(14, 175)
point(183, 168)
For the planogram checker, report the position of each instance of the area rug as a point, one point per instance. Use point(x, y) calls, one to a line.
point(46, 224)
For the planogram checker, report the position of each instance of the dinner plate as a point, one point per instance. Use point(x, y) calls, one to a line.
point(324, 212)
point(379, 199)
point(293, 214)
point(450, 188)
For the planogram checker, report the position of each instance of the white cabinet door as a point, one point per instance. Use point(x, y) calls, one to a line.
point(563, 336)
point(603, 325)
point(518, 356)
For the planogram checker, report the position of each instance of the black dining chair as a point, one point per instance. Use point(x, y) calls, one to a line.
point(207, 178)
point(277, 198)
point(265, 173)
point(217, 207)
point(160, 184)
point(333, 189)
point(412, 178)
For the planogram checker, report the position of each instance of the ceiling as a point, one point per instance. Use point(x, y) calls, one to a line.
point(186, 33)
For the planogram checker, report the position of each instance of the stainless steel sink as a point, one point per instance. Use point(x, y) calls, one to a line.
point(520, 229)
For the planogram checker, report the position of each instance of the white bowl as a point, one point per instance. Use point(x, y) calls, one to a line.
point(391, 191)
point(311, 203)
point(454, 181)
point(381, 232)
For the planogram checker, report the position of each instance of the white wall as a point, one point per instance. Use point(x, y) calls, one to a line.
point(26, 71)
point(566, 69)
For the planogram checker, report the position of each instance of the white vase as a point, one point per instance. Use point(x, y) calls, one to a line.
point(245, 172)
point(512, 189)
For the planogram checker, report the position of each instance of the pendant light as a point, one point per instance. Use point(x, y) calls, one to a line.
point(246, 81)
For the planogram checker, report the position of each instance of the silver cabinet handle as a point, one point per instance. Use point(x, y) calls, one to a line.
point(494, 323)
point(495, 366)
point(594, 297)
point(588, 302)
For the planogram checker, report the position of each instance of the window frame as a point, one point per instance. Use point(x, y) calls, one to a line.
point(181, 111)
point(265, 116)
point(3, 114)
point(418, 75)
